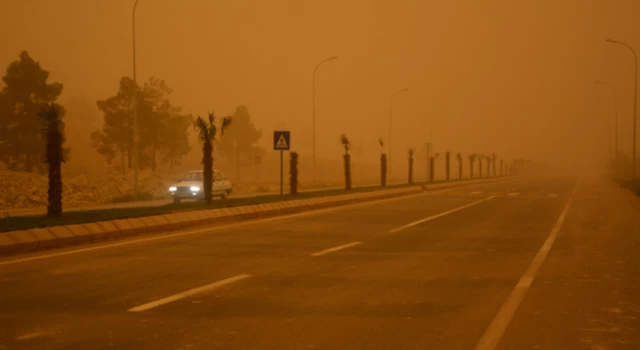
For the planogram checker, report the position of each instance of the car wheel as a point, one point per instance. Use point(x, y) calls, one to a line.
point(176, 200)
point(224, 195)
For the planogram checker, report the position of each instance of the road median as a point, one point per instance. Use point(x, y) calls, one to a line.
point(33, 235)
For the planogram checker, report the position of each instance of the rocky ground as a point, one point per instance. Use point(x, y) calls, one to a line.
point(29, 190)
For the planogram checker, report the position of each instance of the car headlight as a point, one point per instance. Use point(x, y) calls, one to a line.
point(195, 188)
point(173, 189)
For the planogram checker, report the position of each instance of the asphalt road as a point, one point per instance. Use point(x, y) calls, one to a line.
point(536, 263)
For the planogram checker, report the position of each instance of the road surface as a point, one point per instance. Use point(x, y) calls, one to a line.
point(531, 263)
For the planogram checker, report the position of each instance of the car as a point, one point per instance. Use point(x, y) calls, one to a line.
point(192, 186)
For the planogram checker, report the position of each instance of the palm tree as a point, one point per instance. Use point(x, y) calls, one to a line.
point(383, 164)
point(432, 162)
point(459, 157)
point(490, 165)
point(472, 160)
point(52, 131)
point(207, 131)
point(447, 158)
point(411, 151)
point(501, 167)
point(480, 158)
point(344, 140)
point(493, 163)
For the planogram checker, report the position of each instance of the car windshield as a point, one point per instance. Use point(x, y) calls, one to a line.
point(193, 176)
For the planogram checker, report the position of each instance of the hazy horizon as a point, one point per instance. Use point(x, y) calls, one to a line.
point(516, 79)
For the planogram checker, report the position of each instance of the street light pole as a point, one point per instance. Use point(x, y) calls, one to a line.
point(615, 114)
point(313, 111)
point(390, 119)
point(134, 121)
point(635, 102)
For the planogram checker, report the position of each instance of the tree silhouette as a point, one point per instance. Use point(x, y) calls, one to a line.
point(25, 95)
point(344, 140)
point(472, 160)
point(52, 130)
point(162, 127)
point(207, 131)
point(480, 159)
point(459, 157)
point(240, 140)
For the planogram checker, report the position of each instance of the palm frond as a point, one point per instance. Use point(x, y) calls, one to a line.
point(201, 127)
point(226, 121)
point(381, 141)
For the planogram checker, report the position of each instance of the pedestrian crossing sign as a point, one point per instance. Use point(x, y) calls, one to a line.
point(281, 140)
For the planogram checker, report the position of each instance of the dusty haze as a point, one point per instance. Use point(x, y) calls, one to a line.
point(511, 77)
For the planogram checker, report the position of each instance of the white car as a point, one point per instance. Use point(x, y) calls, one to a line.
point(192, 186)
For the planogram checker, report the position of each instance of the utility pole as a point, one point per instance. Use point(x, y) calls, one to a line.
point(134, 110)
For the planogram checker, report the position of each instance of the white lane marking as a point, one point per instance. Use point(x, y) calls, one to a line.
point(415, 223)
point(209, 229)
point(493, 334)
point(335, 249)
point(230, 226)
point(513, 194)
point(476, 192)
point(188, 293)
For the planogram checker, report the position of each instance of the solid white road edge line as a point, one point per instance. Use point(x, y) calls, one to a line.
point(188, 293)
point(335, 249)
point(493, 334)
point(415, 223)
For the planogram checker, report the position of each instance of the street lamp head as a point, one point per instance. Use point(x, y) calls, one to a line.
point(612, 41)
point(405, 90)
point(333, 58)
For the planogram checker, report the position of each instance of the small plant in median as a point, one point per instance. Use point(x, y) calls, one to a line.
point(491, 165)
point(432, 163)
point(447, 156)
point(411, 151)
point(207, 134)
point(51, 116)
point(383, 164)
point(472, 160)
point(344, 140)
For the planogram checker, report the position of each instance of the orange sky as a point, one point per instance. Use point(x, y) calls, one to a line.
point(514, 77)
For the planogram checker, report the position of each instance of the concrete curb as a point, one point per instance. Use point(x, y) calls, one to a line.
point(64, 236)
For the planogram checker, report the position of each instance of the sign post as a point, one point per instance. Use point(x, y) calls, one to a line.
point(281, 142)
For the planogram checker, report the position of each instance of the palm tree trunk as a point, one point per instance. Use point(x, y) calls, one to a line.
point(347, 171)
point(410, 170)
point(207, 149)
